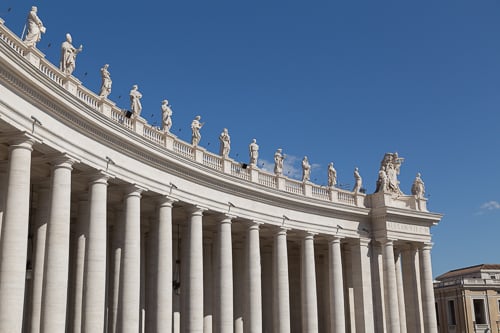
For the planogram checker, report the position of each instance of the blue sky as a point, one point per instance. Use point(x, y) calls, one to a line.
point(341, 81)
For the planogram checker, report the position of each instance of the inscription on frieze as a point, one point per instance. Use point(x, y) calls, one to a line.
point(416, 229)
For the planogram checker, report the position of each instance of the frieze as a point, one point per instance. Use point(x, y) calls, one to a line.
point(416, 229)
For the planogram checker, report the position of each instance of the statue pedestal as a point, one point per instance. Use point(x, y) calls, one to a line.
point(280, 182)
point(254, 173)
point(105, 106)
point(34, 55)
point(307, 188)
point(71, 83)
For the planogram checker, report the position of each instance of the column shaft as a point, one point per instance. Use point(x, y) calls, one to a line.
point(130, 287)
point(337, 314)
point(430, 322)
point(192, 315)
point(13, 246)
point(401, 294)
point(95, 277)
point(362, 286)
point(164, 273)
point(391, 288)
point(281, 284)
point(308, 286)
point(253, 318)
point(81, 234)
point(55, 293)
point(224, 301)
point(42, 216)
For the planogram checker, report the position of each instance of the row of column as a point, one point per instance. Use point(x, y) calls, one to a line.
point(50, 285)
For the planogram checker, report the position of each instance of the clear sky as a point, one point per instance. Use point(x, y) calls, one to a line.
point(341, 81)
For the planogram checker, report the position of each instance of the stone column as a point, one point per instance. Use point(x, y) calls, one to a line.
point(281, 286)
point(362, 286)
point(95, 259)
point(430, 322)
point(401, 294)
point(13, 245)
point(192, 314)
point(308, 286)
point(208, 281)
point(42, 216)
point(224, 277)
point(253, 314)
point(115, 270)
point(412, 289)
point(337, 314)
point(239, 285)
point(82, 225)
point(55, 293)
point(390, 286)
point(130, 287)
point(164, 264)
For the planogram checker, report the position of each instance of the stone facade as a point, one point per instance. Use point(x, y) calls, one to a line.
point(109, 224)
point(468, 299)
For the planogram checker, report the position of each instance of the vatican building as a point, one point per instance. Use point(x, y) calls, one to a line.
point(111, 224)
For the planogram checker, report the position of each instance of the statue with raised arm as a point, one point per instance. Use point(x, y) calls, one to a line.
point(390, 165)
point(135, 101)
point(278, 162)
point(68, 55)
point(306, 169)
point(166, 114)
point(254, 152)
point(225, 143)
point(35, 28)
point(332, 175)
point(358, 182)
point(196, 125)
point(418, 187)
point(106, 82)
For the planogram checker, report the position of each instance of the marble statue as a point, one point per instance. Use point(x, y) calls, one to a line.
point(358, 182)
point(391, 164)
point(135, 101)
point(381, 181)
point(225, 143)
point(106, 82)
point(166, 115)
point(418, 187)
point(278, 162)
point(254, 152)
point(196, 125)
point(35, 28)
point(332, 175)
point(68, 55)
point(306, 169)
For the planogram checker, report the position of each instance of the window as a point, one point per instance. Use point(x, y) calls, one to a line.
point(479, 313)
point(452, 320)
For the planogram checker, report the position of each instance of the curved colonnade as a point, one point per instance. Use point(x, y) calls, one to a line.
point(111, 225)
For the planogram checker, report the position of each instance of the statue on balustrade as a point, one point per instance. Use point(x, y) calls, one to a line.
point(135, 101)
point(306, 169)
point(68, 55)
point(358, 182)
point(254, 152)
point(106, 82)
point(381, 181)
point(166, 112)
point(391, 164)
point(196, 125)
point(35, 28)
point(332, 175)
point(225, 143)
point(418, 187)
point(278, 162)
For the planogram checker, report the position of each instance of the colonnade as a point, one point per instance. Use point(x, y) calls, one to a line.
point(75, 260)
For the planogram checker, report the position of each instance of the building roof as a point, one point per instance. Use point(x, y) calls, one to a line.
point(467, 271)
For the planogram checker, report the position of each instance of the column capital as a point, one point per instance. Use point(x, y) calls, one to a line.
point(99, 177)
point(281, 231)
point(133, 190)
point(332, 239)
point(196, 210)
point(226, 218)
point(364, 241)
point(386, 241)
point(165, 201)
point(309, 234)
point(255, 224)
point(21, 140)
point(426, 246)
point(64, 160)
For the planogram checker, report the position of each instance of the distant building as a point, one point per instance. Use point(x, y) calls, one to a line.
point(468, 299)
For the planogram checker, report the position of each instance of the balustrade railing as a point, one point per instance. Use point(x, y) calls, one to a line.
point(156, 135)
